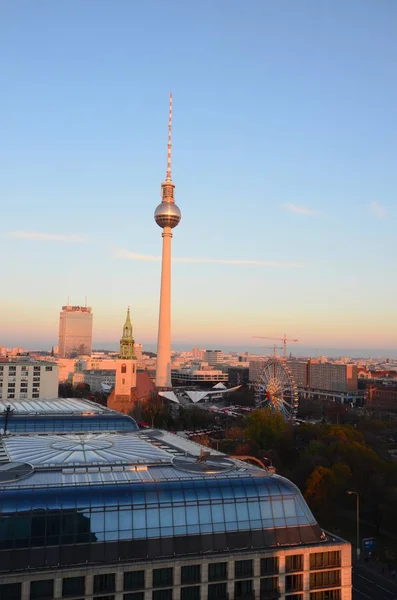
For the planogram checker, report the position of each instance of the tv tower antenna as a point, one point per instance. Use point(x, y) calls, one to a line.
point(169, 145)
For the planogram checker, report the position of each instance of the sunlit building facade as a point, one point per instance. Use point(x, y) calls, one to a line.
point(75, 331)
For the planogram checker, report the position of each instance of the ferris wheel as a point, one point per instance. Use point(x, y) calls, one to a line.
point(276, 388)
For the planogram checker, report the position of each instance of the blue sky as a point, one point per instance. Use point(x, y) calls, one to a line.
point(284, 152)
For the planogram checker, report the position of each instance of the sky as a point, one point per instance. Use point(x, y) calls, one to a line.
point(284, 161)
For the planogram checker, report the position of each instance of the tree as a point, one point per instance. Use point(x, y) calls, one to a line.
point(265, 427)
point(319, 487)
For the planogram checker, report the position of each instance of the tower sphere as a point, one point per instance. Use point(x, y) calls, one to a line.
point(167, 214)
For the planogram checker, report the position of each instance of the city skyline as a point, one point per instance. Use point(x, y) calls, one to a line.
point(285, 138)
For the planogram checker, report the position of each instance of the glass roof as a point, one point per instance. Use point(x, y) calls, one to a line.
point(83, 449)
point(55, 405)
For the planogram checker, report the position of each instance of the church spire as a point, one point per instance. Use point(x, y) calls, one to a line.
point(127, 341)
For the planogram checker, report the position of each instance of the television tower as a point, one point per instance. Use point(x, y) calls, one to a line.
point(167, 216)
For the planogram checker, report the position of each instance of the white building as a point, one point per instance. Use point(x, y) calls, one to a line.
point(75, 331)
point(28, 379)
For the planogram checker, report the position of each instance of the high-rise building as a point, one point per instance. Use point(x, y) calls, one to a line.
point(213, 357)
point(75, 331)
point(167, 216)
point(333, 377)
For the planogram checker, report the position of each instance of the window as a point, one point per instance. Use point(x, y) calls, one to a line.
point(243, 568)
point(190, 593)
point(104, 583)
point(163, 577)
point(73, 586)
point(191, 574)
point(270, 584)
point(34, 395)
point(217, 591)
point(321, 560)
point(42, 590)
point(269, 565)
point(134, 580)
point(243, 589)
point(36, 378)
point(293, 583)
point(326, 595)
point(124, 368)
point(10, 591)
point(325, 579)
point(162, 594)
point(104, 597)
point(136, 596)
point(294, 597)
point(217, 571)
point(294, 563)
point(48, 368)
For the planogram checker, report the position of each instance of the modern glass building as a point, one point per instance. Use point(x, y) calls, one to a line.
point(60, 415)
point(149, 516)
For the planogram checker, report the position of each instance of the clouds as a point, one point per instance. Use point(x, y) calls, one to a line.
point(377, 209)
point(298, 210)
point(70, 238)
point(122, 254)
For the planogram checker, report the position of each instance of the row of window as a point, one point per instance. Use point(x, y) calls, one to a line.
point(190, 574)
point(72, 586)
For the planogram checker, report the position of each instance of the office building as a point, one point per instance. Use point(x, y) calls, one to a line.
point(238, 375)
point(75, 331)
point(213, 357)
point(27, 379)
point(148, 515)
point(167, 216)
point(332, 377)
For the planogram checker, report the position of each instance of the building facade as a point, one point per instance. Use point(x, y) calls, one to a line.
point(333, 377)
point(26, 379)
point(213, 357)
point(99, 380)
point(75, 331)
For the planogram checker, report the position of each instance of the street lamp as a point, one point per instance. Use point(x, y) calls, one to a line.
point(350, 492)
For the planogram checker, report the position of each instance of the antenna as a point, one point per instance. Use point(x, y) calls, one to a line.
point(68, 300)
point(86, 301)
point(169, 146)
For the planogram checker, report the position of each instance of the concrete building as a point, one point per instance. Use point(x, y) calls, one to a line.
point(136, 516)
point(256, 364)
point(27, 379)
point(75, 331)
point(382, 397)
point(213, 357)
point(198, 374)
point(167, 216)
point(332, 377)
point(238, 375)
point(99, 380)
point(300, 372)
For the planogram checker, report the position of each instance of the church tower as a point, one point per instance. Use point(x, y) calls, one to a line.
point(127, 341)
point(126, 363)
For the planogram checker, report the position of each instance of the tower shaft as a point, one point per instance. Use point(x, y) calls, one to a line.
point(163, 370)
point(167, 216)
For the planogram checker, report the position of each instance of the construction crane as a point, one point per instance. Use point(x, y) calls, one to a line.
point(274, 348)
point(283, 339)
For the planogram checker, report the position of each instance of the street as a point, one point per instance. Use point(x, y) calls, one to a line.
point(369, 585)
